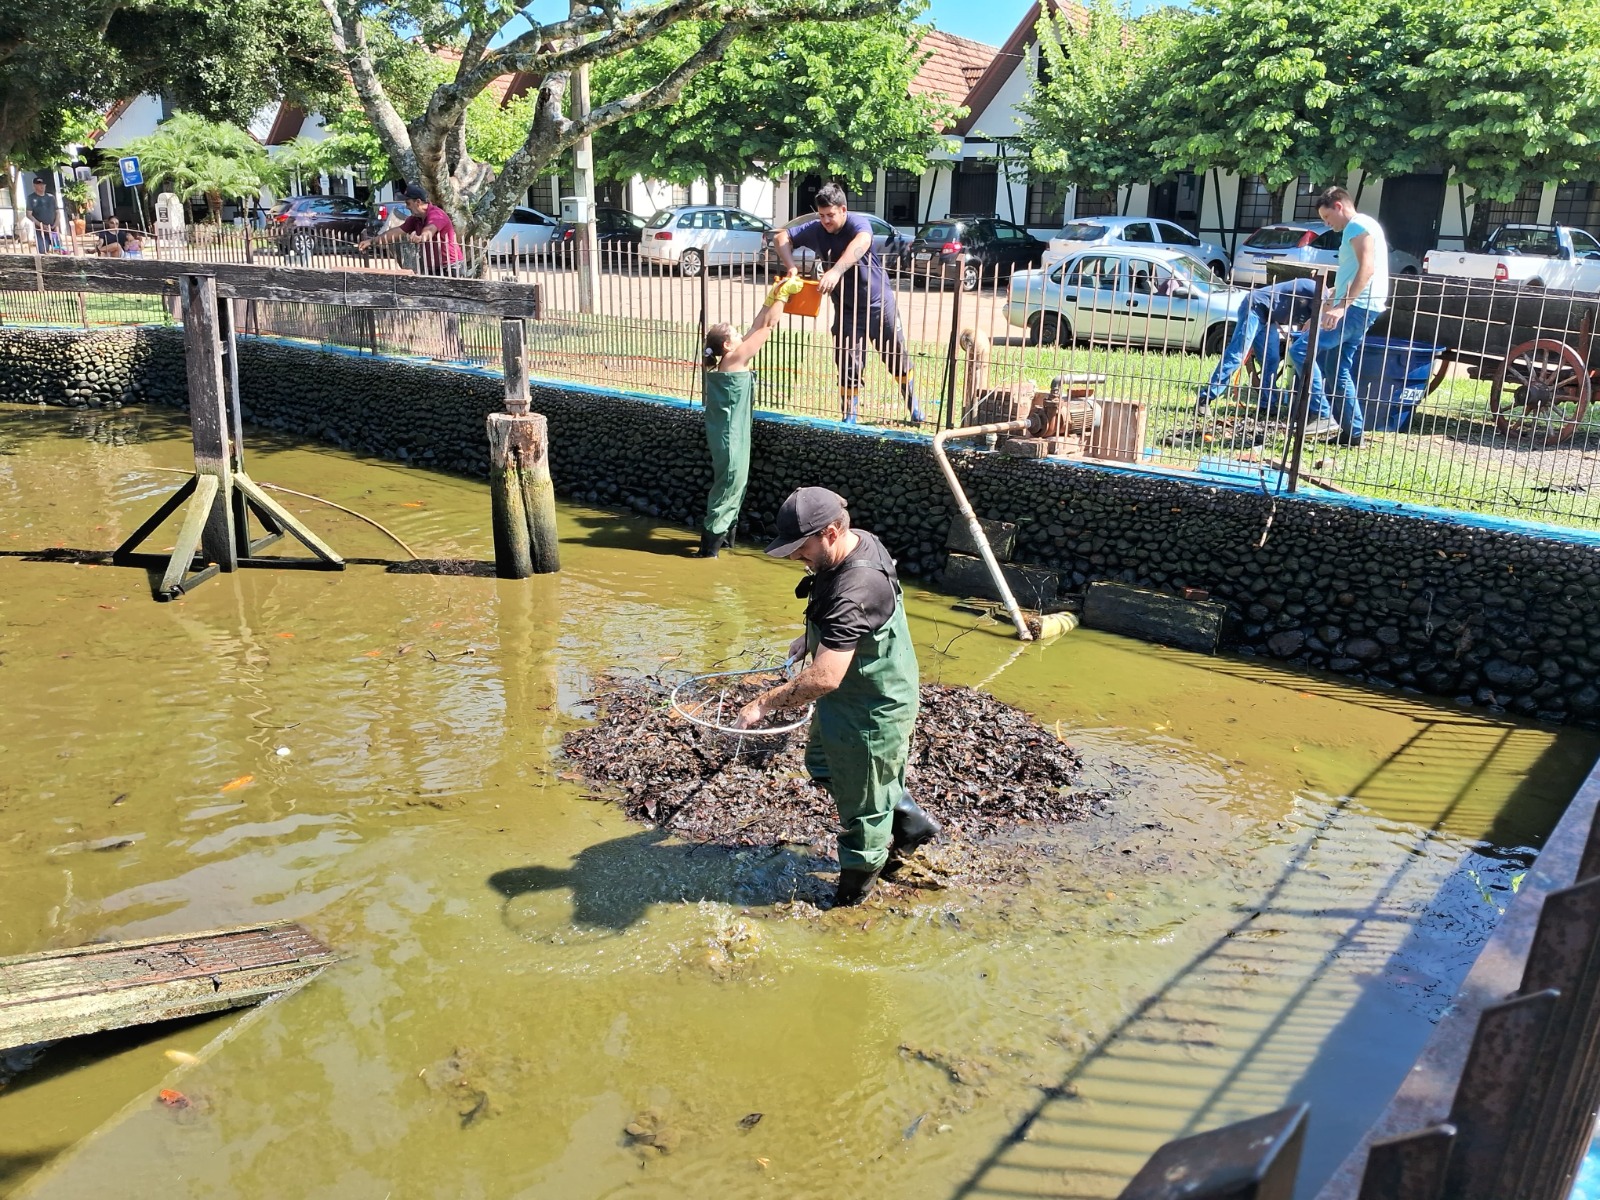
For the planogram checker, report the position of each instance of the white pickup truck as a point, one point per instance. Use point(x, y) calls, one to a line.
point(1552, 256)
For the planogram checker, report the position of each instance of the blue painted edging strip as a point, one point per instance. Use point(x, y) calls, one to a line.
point(1390, 508)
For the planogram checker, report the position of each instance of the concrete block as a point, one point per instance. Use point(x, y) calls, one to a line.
point(1001, 536)
point(1034, 587)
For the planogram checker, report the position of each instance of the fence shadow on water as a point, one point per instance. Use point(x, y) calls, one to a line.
point(1477, 395)
point(1272, 1011)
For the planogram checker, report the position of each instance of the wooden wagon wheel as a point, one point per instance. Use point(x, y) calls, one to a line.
point(1541, 392)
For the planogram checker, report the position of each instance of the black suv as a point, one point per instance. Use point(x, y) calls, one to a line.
point(971, 249)
point(304, 224)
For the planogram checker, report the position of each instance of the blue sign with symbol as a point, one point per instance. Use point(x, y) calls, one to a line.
point(131, 175)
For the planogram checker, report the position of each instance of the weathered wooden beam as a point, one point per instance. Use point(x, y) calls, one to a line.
point(522, 497)
point(296, 285)
point(64, 993)
point(209, 418)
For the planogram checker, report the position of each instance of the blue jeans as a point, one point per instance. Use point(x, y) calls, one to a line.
point(1336, 358)
point(1253, 332)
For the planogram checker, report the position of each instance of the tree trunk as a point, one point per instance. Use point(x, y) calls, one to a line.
point(214, 207)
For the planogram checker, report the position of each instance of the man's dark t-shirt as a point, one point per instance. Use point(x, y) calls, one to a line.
point(864, 285)
point(42, 208)
point(855, 598)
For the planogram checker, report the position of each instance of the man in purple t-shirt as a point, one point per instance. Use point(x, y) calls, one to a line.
point(863, 302)
point(433, 232)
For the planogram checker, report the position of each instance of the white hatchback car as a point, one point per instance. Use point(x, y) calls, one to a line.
point(1112, 232)
point(526, 233)
point(1157, 299)
point(696, 236)
point(1302, 242)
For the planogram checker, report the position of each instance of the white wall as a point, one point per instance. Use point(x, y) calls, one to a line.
point(139, 119)
point(999, 116)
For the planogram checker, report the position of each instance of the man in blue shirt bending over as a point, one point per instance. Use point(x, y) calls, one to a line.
point(1266, 314)
point(1360, 294)
point(863, 302)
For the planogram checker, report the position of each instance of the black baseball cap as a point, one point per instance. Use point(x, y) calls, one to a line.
point(415, 192)
point(807, 512)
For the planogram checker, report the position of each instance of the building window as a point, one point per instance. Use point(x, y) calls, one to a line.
point(1047, 204)
point(1305, 199)
point(612, 192)
point(1256, 205)
point(1486, 214)
point(1095, 202)
point(863, 196)
point(728, 194)
point(677, 197)
point(1578, 205)
point(900, 191)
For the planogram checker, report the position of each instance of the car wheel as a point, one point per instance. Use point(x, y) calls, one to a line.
point(691, 264)
point(970, 274)
point(1218, 267)
point(1216, 338)
point(1049, 329)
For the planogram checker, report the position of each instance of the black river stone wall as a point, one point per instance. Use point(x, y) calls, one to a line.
point(1486, 616)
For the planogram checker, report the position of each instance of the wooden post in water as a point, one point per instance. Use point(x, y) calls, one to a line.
point(523, 497)
point(209, 418)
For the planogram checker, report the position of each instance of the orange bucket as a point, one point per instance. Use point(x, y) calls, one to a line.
point(807, 302)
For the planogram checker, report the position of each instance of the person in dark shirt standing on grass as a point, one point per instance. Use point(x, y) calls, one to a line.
point(42, 208)
point(863, 679)
point(433, 232)
point(863, 302)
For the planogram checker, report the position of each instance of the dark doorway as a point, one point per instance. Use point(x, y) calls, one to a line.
point(973, 189)
point(1410, 210)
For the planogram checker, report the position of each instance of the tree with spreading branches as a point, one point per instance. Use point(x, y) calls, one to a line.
point(494, 38)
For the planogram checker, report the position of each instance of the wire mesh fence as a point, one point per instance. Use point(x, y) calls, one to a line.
point(1474, 394)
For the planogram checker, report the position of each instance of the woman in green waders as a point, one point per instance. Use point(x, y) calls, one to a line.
point(728, 393)
point(863, 679)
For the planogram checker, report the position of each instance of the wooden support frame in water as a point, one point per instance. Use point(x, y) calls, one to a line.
point(521, 493)
point(220, 498)
point(64, 993)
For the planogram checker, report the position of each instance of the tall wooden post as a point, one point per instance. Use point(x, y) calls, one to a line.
point(523, 498)
point(208, 414)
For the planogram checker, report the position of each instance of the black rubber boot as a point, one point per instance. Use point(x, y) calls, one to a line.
point(854, 887)
point(710, 543)
point(912, 828)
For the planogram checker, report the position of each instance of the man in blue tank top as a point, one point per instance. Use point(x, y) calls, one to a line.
point(863, 302)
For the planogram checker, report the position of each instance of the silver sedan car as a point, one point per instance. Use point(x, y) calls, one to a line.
point(1156, 299)
point(1302, 242)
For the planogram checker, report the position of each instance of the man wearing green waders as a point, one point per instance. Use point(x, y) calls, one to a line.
point(863, 678)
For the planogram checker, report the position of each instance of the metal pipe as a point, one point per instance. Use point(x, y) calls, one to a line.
point(984, 550)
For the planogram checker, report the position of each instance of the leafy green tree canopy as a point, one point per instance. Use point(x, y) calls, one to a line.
point(815, 97)
point(61, 58)
point(1089, 124)
point(494, 38)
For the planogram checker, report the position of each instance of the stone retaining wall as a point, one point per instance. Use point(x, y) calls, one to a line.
point(1490, 616)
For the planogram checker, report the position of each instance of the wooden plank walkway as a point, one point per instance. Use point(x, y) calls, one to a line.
point(63, 993)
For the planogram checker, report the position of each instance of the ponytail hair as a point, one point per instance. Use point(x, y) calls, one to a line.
point(716, 345)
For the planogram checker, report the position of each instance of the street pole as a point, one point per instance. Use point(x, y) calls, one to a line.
point(586, 243)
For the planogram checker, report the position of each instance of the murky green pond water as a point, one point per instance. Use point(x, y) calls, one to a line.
point(1298, 874)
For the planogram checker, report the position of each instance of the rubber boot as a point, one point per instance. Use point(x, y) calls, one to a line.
point(912, 828)
point(854, 887)
point(710, 543)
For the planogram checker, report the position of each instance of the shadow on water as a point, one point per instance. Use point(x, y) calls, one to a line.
point(1323, 990)
point(614, 883)
point(614, 531)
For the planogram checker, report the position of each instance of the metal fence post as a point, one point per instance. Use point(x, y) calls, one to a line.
point(1302, 390)
point(948, 399)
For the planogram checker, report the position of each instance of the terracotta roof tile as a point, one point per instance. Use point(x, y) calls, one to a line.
point(954, 65)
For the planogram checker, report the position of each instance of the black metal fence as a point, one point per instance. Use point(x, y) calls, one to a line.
point(1476, 395)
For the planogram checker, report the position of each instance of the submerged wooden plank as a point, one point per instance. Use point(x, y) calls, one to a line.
point(1154, 616)
point(63, 993)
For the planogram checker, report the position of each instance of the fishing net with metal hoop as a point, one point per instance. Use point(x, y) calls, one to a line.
point(711, 703)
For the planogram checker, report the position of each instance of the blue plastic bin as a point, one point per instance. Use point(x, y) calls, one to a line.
point(1391, 380)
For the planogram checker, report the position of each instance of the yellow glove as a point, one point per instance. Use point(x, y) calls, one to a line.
point(788, 286)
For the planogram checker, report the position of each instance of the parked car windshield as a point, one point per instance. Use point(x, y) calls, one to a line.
point(939, 233)
point(1542, 242)
point(1083, 231)
point(659, 221)
point(1275, 237)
